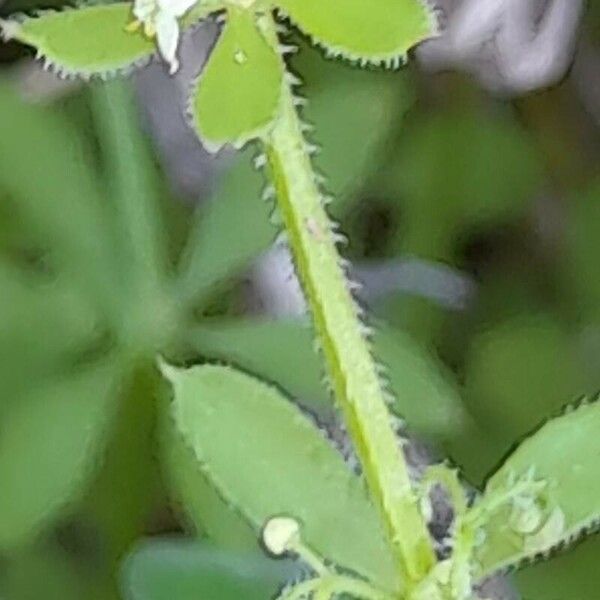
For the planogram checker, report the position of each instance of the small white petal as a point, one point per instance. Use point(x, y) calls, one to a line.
point(176, 7)
point(167, 37)
point(143, 9)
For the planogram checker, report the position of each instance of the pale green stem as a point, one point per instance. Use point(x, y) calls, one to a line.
point(350, 365)
point(313, 560)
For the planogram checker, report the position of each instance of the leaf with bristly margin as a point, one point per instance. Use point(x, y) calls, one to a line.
point(237, 96)
point(368, 31)
point(564, 455)
point(266, 459)
point(180, 569)
point(50, 443)
point(203, 508)
point(84, 41)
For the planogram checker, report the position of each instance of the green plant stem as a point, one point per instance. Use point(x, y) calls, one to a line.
point(350, 365)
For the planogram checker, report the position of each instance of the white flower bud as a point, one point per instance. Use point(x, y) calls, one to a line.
point(280, 534)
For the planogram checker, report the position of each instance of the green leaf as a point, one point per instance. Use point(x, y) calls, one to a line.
point(484, 166)
point(230, 231)
point(43, 326)
point(571, 576)
point(237, 95)
point(563, 456)
point(85, 41)
point(351, 116)
point(45, 570)
point(132, 181)
point(184, 570)
point(190, 488)
point(49, 446)
point(520, 371)
point(425, 397)
point(63, 211)
point(367, 31)
point(231, 420)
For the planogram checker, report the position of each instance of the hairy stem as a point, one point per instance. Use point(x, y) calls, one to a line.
point(350, 365)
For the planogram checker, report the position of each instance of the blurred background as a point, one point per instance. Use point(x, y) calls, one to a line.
point(467, 184)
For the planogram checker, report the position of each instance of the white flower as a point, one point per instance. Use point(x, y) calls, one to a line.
point(160, 19)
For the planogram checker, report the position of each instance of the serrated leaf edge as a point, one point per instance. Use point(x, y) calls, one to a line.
point(9, 31)
point(571, 536)
point(390, 60)
point(261, 132)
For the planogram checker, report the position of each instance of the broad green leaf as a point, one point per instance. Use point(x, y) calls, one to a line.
point(427, 399)
point(201, 503)
point(367, 31)
point(564, 455)
point(85, 41)
point(267, 459)
point(49, 447)
point(237, 96)
point(179, 569)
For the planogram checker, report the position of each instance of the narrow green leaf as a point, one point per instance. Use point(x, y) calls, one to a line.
point(43, 326)
point(237, 95)
point(230, 420)
point(49, 447)
point(428, 400)
point(564, 457)
point(229, 232)
point(179, 569)
point(84, 41)
point(133, 182)
point(63, 210)
point(368, 31)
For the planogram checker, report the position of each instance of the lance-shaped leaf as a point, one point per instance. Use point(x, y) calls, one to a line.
point(267, 459)
point(369, 31)
point(562, 460)
point(49, 446)
point(237, 96)
point(172, 569)
point(84, 41)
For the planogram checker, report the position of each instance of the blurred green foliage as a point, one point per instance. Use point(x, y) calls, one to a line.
point(433, 169)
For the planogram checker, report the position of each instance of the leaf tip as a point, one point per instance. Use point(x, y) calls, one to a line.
point(9, 29)
point(169, 372)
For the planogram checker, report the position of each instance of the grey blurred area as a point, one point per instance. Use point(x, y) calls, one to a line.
point(512, 47)
point(163, 100)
